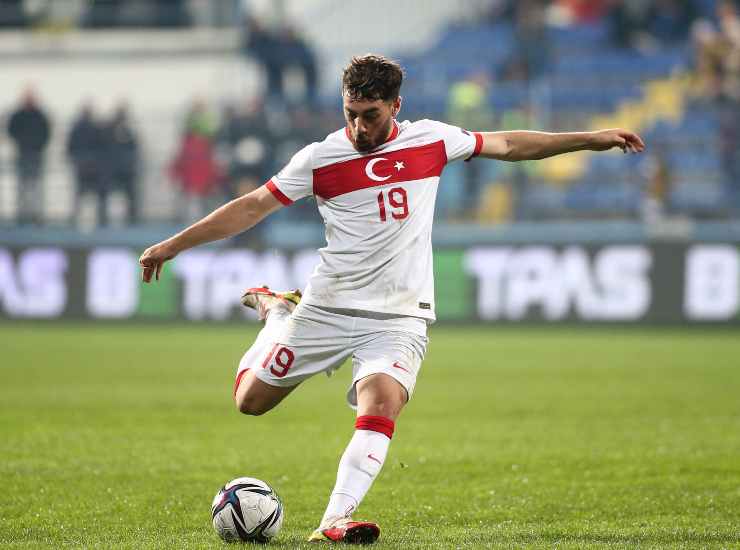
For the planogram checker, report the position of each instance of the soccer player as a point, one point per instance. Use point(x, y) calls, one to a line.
point(372, 294)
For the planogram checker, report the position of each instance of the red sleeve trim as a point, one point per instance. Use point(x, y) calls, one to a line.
point(279, 195)
point(478, 145)
point(379, 424)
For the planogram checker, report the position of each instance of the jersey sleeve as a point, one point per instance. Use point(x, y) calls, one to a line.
point(459, 143)
point(295, 180)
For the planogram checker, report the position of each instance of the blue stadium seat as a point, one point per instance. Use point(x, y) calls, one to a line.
point(543, 200)
point(578, 36)
point(613, 198)
point(697, 198)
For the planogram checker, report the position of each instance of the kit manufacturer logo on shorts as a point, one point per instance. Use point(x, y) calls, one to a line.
point(425, 305)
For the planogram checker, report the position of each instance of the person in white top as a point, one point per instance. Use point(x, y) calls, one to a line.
point(372, 294)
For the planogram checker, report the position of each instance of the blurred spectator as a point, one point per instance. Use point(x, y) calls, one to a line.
point(29, 129)
point(728, 14)
point(248, 143)
point(643, 25)
point(531, 53)
point(299, 128)
point(717, 54)
point(585, 11)
point(717, 73)
point(200, 119)
point(263, 45)
point(709, 55)
point(296, 128)
point(467, 103)
point(629, 23)
point(194, 167)
point(518, 176)
point(87, 149)
point(658, 179)
point(499, 11)
point(729, 145)
point(144, 13)
point(467, 107)
point(123, 159)
point(297, 53)
point(671, 20)
point(12, 14)
point(171, 13)
point(102, 13)
point(277, 52)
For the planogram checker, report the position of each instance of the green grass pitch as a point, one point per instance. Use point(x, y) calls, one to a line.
point(119, 436)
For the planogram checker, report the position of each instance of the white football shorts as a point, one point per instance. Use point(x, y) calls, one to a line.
point(315, 339)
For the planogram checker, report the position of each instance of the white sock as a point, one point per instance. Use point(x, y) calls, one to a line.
point(360, 464)
point(276, 318)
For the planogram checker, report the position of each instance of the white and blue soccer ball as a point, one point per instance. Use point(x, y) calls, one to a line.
point(247, 509)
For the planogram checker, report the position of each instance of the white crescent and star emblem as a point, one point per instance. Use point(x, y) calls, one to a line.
point(373, 176)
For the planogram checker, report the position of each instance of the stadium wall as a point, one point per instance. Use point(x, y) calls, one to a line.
point(694, 283)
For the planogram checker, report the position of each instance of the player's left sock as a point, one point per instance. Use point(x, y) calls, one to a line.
point(360, 464)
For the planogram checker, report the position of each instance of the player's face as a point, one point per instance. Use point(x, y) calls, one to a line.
point(369, 122)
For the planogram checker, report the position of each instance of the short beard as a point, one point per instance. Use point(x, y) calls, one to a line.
point(364, 148)
point(372, 144)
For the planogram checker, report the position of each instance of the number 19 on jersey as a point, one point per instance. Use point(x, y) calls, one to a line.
point(398, 202)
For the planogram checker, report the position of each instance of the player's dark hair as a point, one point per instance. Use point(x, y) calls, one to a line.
point(372, 77)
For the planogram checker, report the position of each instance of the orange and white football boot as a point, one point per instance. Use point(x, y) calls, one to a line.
point(262, 299)
point(347, 531)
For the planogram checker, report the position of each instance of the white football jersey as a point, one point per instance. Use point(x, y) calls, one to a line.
point(378, 209)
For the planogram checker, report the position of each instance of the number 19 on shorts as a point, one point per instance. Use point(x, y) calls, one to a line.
point(279, 360)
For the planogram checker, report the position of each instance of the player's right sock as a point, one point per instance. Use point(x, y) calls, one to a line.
point(360, 464)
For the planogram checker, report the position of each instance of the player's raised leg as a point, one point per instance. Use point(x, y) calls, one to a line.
point(251, 395)
point(380, 399)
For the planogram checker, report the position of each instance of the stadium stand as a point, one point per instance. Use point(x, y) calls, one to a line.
point(583, 80)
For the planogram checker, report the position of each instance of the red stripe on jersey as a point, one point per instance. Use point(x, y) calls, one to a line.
point(277, 193)
point(413, 163)
point(478, 145)
point(379, 424)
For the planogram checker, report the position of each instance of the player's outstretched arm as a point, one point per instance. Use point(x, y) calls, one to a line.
point(228, 220)
point(526, 145)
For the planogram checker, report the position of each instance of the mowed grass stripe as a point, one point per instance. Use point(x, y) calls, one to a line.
point(119, 436)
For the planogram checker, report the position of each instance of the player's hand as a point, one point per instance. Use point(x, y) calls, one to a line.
point(154, 258)
point(627, 141)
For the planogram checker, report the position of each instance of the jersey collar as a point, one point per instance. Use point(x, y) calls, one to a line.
point(394, 132)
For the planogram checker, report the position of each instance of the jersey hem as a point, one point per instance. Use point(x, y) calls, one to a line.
point(427, 315)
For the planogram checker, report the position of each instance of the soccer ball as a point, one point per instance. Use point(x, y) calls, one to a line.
point(247, 509)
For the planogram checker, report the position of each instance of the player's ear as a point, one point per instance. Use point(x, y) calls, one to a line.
point(396, 107)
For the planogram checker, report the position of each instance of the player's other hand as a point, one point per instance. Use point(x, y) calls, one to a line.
point(154, 258)
point(627, 141)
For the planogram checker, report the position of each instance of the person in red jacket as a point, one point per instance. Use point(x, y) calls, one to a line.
point(195, 168)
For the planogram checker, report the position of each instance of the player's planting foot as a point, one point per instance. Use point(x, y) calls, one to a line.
point(262, 299)
point(347, 531)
